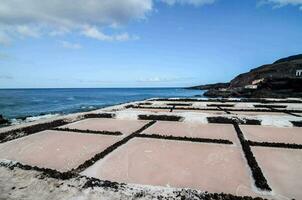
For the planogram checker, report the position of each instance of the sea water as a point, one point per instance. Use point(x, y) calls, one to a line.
point(16, 104)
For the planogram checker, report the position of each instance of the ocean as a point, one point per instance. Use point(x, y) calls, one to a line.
point(30, 104)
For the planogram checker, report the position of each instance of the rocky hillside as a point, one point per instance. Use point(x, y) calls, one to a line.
point(283, 68)
point(282, 78)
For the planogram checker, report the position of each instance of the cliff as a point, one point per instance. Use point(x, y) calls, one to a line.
point(282, 78)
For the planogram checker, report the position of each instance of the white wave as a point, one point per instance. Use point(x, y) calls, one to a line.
point(88, 107)
point(33, 118)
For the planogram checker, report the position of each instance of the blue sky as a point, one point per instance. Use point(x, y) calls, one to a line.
point(142, 43)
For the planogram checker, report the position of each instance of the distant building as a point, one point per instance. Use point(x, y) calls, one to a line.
point(254, 87)
point(299, 72)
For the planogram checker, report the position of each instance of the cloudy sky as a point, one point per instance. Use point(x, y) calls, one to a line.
point(142, 43)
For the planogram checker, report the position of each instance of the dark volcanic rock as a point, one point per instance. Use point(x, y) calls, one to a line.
point(290, 58)
point(279, 70)
point(210, 86)
point(218, 93)
point(3, 121)
point(281, 79)
point(229, 92)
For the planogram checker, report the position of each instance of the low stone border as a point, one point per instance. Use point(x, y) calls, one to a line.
point(223, 100)
point(224, 110)
point(176, 108)
point(263, 110)
point(160, 117)
point(25, 131)
point(215, 109)
point(260, 180)
point(129, 106)
point(184, 100)
point(21, 132)
point(225, 120)
point(194, 195)
point(288, 112)
point(47, 172)
point(220, 105)
point(145, 104)
point(111, 148)
point(297, 123)
point(269, 106)
point(94, 182)
point(99, 115)
point(51, 173)
point(153, 107)
point(117, 133)
point(188, 139)
point(179, 104)
point(275, 144)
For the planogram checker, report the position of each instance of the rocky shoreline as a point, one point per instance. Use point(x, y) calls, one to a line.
point(3, 121)
point(282, 79)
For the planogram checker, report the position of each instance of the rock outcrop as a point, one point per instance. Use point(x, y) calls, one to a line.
point(210, 86)
point(3, 121)
point(281, 79)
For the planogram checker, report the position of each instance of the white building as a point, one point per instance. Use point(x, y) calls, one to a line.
point(251, 87)
point(299, 72)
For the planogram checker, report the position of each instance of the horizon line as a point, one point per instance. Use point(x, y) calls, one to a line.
point(90, 88)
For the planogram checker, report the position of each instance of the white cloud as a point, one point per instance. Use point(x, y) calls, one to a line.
point(69, 45)
point(122, 37)
point(4, 39)
point(188, 2)
point(33, 18)
point(157, 79)
point(94, 32)
point(281, 3)
point(153, 79)
point(29, 31)
point(72, 13)
point(59, 32)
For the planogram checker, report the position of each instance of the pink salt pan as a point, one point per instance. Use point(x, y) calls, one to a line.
point(56, 150)
point(197, 130)
point(102, 124)
point(208, 167)
point(282, 169)
point(272, 134)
